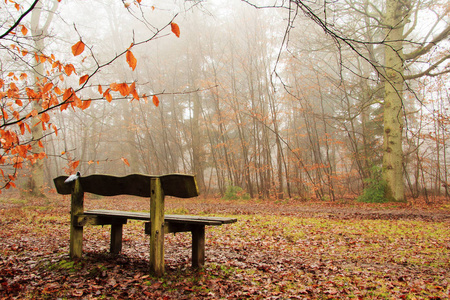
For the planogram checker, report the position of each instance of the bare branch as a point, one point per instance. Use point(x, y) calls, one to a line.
point(421, 51)
point(17, 23)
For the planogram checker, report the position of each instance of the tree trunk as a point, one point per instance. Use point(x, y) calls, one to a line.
point(36, 180)
point(393, 102)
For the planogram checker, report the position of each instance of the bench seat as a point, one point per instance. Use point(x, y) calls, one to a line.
point(145, 216)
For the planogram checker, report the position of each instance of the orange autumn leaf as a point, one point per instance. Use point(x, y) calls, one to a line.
point(45, 117)
point(23, 150)
point(58, 90)
point(155, 100)
point(125, 161)
point(133, 91)
point(68, 93)
point(53, 100)
point(85, 104)
point(78, 48)
point(10, 184)
point(107, 95)
point(123, 88)
point(76, 101)
point(75, 164)
point(175, 29)
point(100, 90)
point(47, 87)
point(83, 79)
point(40, 144)
point(22, 128)
point(24, 30)
point(55, 129)
point(69, 69)
point(131, 60)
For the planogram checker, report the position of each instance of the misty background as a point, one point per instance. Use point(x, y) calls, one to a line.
point(249, 101)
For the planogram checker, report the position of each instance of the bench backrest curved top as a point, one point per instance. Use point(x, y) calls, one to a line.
point(177, 185)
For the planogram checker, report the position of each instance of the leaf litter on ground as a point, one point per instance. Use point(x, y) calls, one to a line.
point(275, 251)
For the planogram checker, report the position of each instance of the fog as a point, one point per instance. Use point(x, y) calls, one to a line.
point(262, 101)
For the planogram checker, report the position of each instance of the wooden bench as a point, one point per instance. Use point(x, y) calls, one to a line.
point(156, 223)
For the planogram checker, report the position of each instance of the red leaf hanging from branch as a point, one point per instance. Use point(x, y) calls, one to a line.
point(155, 100)
point(175, 29)
point(78, 48)
point(83, 79)
point(131, 60)
point(24, 30)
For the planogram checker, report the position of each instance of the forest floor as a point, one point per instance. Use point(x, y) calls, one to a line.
point(276, 250)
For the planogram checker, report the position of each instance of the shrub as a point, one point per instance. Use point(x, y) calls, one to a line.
point(235, 193)
point(376, 188)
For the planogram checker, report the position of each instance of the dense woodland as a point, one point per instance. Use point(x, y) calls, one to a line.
point(259, 102)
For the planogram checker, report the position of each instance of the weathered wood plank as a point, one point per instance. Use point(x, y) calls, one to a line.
point(172, 227)
point(177, 185)
point(157, 227)
point(76, 232)
point(168, 218)
point(85, 220)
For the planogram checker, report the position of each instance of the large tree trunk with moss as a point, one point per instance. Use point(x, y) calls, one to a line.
point(393, 101)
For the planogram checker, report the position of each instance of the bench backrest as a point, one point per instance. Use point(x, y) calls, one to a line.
point(177, 185)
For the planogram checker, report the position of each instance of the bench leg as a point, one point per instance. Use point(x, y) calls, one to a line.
point(76, 232)
point(156, 228)
point(198, 246)
point(76, 241)
point(116, 238)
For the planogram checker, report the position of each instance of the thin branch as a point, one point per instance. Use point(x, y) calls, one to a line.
point(428, 71)
point(421, 51)
point(19, 19)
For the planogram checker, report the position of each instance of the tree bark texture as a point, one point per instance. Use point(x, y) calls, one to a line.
point(393, 101)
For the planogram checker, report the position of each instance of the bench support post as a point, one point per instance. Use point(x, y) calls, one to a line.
point(156, 227)
point(198, 246)
point(116, 238)
point(76, 232)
